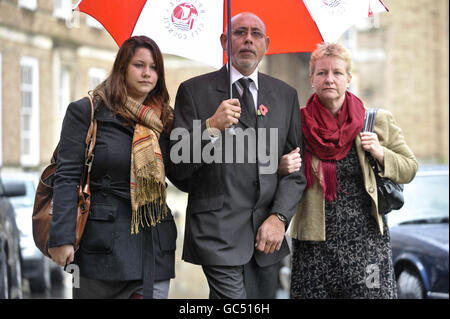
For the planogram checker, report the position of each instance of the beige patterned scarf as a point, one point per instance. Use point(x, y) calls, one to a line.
point(147, 176)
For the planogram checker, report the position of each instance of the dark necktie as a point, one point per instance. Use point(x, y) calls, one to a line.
point(247, 98)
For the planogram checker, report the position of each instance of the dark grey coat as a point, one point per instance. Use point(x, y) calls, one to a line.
point(107, 250)
point(228, 202)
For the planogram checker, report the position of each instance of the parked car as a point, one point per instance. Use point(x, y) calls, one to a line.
point(10, 260)
point(419, 236)
point(39, 270)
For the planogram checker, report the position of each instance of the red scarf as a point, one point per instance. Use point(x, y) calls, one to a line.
point(329, 138)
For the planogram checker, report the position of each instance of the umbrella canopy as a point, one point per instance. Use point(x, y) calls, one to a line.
point(191, 28)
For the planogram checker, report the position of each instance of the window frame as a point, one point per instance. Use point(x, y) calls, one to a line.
point(96, 73)
point(64, 91)
point(28, 4)
point(64, 11)
point(31, 158)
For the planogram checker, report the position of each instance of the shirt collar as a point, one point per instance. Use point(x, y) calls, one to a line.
point(236, 75)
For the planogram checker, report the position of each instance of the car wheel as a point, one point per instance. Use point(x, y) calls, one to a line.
point(410, 285)
point(16, 278)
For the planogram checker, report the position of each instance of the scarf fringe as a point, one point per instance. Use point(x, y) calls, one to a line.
point(148, 188)
point(152, 208)
point(326, 175)
point(152, 214)
point(329, 186)
point(308, 169)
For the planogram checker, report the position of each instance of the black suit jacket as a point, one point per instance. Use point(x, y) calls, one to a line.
point(228, 202)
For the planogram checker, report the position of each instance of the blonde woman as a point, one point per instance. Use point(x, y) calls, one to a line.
point(341, 245)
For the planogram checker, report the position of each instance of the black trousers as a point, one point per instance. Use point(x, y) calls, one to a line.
point(248, 281)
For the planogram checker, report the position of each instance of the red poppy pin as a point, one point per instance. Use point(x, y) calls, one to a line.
point(262, 110)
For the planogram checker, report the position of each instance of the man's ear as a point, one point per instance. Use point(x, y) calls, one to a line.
point(223, 41)
point(267, 44)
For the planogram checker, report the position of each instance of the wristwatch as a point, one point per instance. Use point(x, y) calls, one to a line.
point(281, 217)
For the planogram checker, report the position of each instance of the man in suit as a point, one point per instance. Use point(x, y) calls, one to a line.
point(238, 211)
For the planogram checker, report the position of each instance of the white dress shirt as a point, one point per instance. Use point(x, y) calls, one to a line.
point(236, 76)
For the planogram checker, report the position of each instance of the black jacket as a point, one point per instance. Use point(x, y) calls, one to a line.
point(107, 249)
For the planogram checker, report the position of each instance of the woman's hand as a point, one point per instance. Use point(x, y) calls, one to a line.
point(290, 163)
point(371, 144)
point(62, 255)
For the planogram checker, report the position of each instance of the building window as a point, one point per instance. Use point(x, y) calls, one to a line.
point(90, 21)
point(96, 76)
point(28, 4)
point(62, 9)
point(64, 92)
point(29, 117)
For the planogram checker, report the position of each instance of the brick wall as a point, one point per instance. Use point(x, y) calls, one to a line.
point(412, 80)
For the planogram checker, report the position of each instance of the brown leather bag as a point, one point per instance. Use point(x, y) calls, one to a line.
point(43, 202)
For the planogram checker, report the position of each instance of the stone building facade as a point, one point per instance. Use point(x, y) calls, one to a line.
point(48, 59)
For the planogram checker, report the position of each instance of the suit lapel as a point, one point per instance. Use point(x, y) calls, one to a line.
point(266, 98)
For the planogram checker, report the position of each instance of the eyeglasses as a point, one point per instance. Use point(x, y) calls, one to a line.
point(241, 33)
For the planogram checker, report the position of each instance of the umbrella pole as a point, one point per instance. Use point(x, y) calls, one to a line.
point(229, 47)
point(231, 128)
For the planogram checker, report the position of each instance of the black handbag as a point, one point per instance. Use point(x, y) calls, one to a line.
point(390, 194)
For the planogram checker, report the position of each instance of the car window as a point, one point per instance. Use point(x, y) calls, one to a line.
point(426, 200)
point(28, 199)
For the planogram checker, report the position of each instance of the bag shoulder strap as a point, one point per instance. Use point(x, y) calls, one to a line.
point(84, 192)
point(90, 136)
point(92, 132)
point(369, 126)
point(369, 121)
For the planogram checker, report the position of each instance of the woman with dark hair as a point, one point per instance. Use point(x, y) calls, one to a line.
point(128, 246)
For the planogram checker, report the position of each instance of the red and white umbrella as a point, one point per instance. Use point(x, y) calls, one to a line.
point(191, 28)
